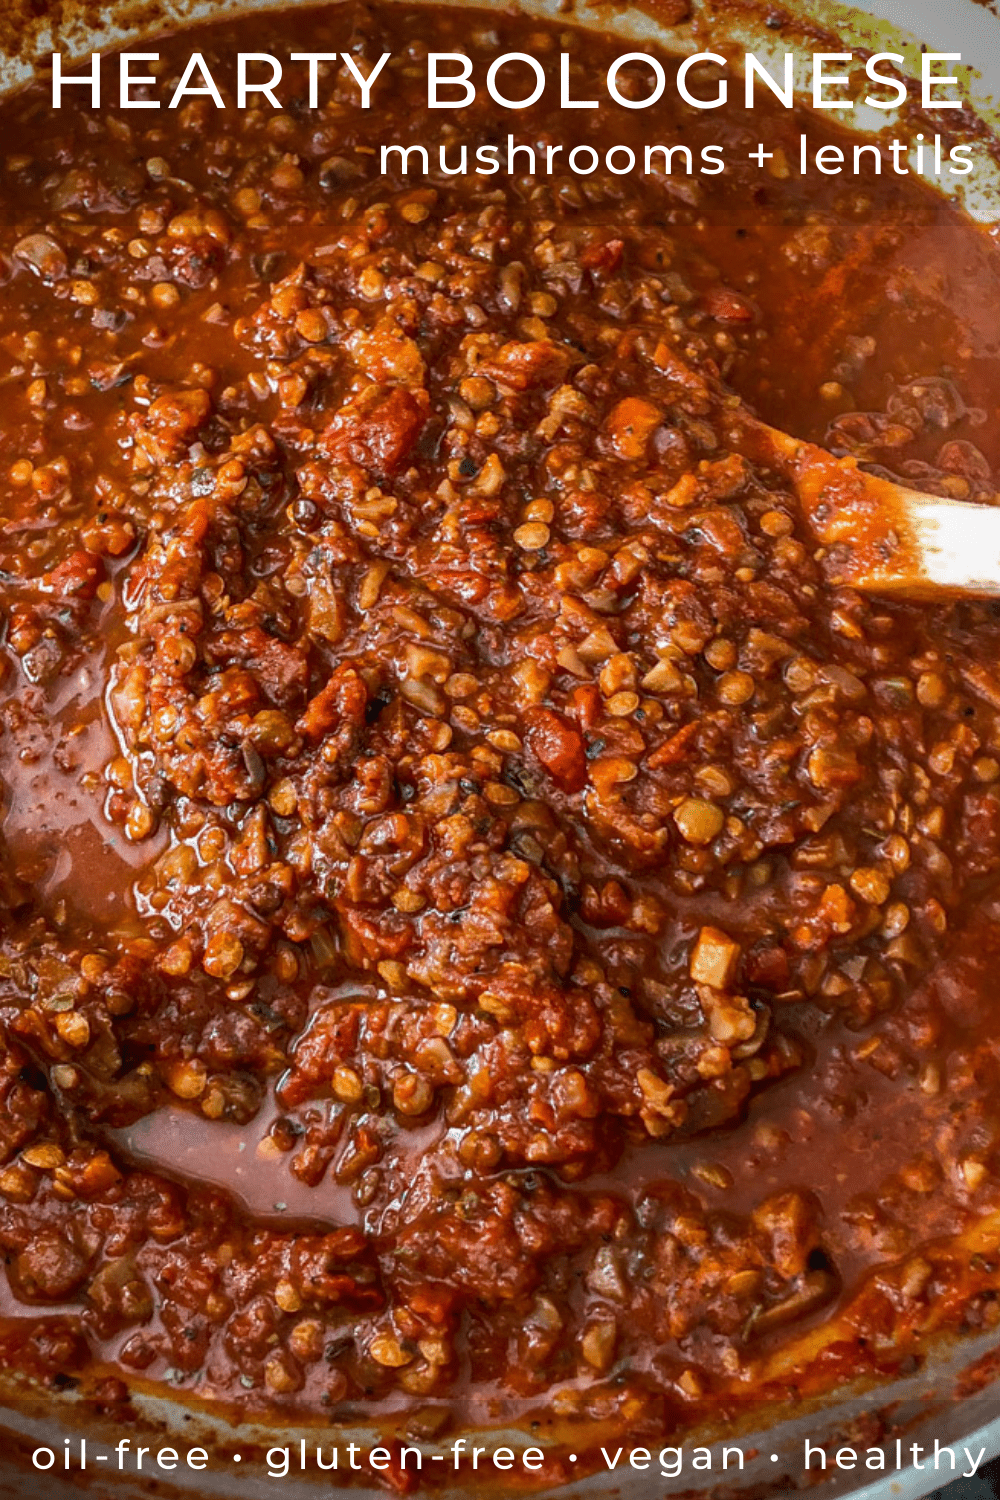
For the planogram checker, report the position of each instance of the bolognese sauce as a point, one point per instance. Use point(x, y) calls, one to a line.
point(491, 927)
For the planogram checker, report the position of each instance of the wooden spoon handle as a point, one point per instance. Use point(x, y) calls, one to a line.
point(883, 537)
point(952, 548)
point(876, 535)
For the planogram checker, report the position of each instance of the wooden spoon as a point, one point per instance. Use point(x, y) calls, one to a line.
point(885, 538)
point(882, 537)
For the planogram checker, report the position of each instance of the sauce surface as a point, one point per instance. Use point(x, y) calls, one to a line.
point(491, 929)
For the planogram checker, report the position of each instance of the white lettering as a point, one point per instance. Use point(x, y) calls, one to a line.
point(314, 59)
point(126, 81)
point(785, 92)
point(821, 79)
point(365, 84)
point(685, 92)
point(186, 88)
point(871, 69)
point(243, 88)
point(658, 73)
point(459, 80)
point(500, 62)
point(564, 100)
point(931, 82)
point(94, 79)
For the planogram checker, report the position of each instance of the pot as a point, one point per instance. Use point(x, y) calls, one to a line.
point(923, 1407)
